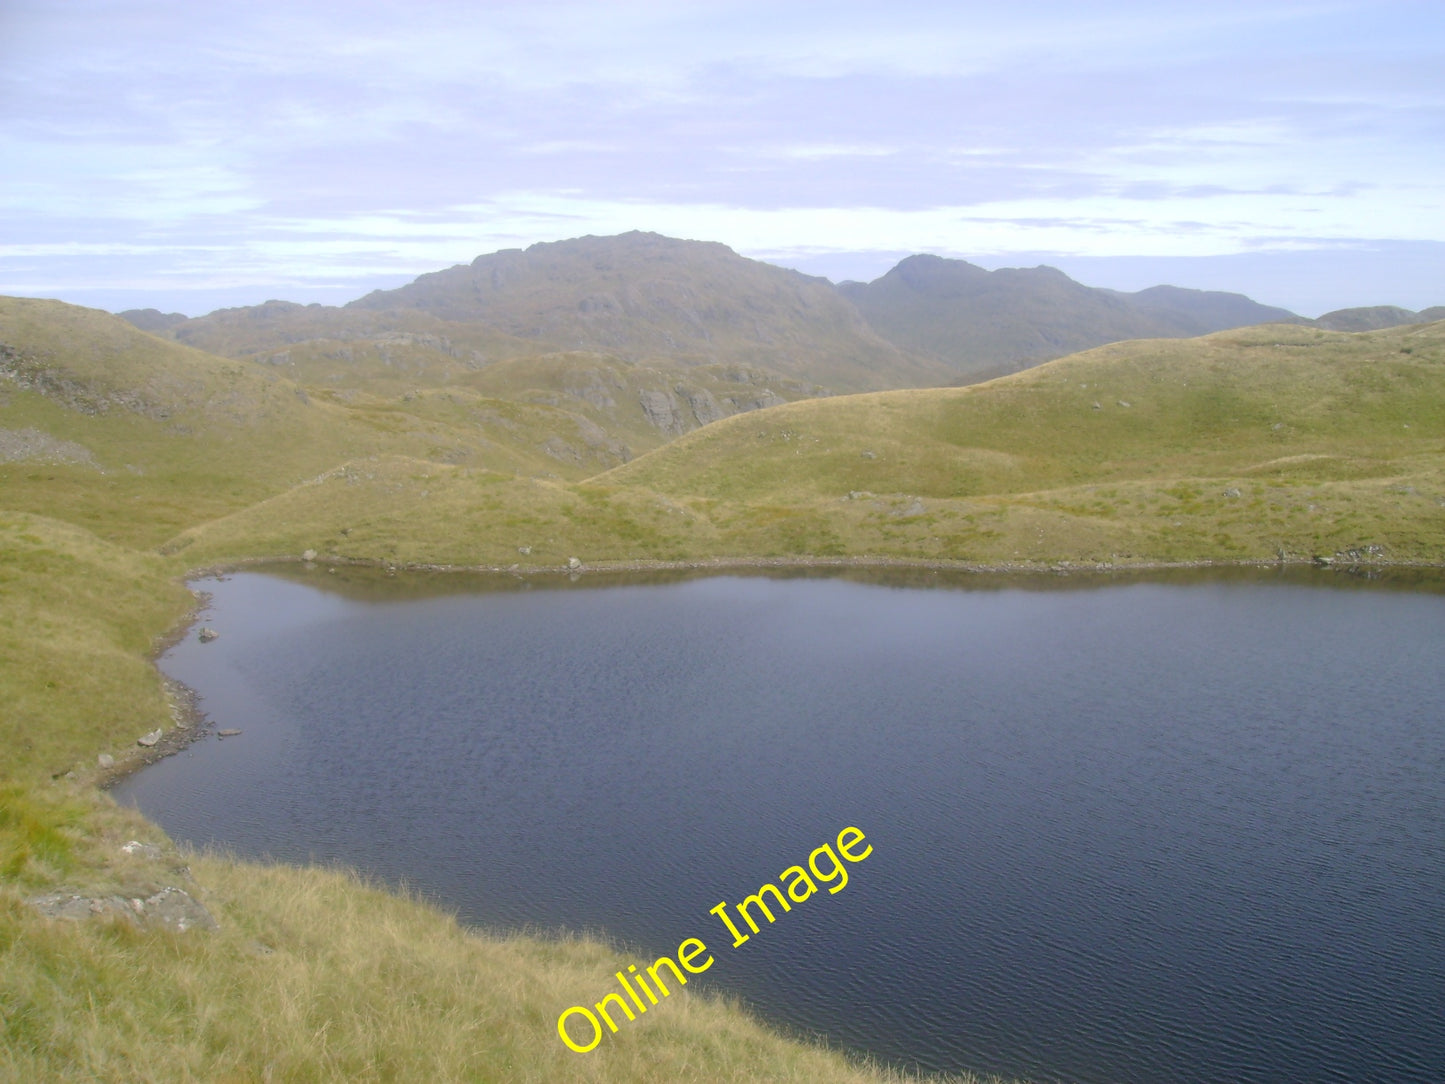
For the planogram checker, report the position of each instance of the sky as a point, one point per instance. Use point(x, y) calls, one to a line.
point(188, 156)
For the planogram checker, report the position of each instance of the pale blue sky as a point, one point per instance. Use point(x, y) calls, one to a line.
point(186, 156)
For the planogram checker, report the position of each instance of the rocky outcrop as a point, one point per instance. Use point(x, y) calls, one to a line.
point(705, 408)
point(32, 445)
point(662, 411)
point(170, 908)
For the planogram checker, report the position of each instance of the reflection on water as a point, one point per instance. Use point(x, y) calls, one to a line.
point(1190, 828)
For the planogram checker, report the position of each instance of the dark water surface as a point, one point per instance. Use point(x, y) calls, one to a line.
point(1147, 832)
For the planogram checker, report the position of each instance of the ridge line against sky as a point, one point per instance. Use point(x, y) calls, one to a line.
point(161, 155)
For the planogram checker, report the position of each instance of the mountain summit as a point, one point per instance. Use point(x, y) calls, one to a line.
point(982, 322)
point(641, 295)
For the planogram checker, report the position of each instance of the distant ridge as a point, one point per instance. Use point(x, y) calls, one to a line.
point(153, 319)
point(642, 295)
point(1377, 318)
point(641, 298)
point(982, 322)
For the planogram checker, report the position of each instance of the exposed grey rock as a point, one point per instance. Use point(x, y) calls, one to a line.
point(149, 739)
point(573, 563)
point(705, 408)
point(662, 411)
point(1232, 493)
point(74, 907)
point(18, 445)
point(145, 850)
point(170, 908)
point(229, 732)
point(308, 555)
point(765, 398)
point(525, 551)
point(207, 634)
point(866, 454)
point(176, 909)
point(105, 760)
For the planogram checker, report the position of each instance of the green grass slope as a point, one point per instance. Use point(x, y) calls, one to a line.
point(1240, 445)
point(136, 437)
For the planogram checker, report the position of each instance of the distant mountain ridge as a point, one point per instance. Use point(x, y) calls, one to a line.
point(642, 295)
point(1377, 318)
point(982, 322)
point(641, 298)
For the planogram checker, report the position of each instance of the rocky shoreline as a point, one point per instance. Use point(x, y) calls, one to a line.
point(1344, 561)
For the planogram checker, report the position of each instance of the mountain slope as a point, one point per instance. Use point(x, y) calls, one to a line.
point(643, 296)
point(134, 437)
point(983, 323)
point(1377, 318)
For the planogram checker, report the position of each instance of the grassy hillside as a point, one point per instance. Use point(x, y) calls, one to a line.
point(136, 437)
point(1247, 445)
point(1242, 445)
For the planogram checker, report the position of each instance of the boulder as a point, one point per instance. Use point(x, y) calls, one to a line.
point(170, 909)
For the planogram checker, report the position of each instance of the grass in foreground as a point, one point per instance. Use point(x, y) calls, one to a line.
point(315, 975)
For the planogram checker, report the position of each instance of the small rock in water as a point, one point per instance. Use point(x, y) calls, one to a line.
point(573, 562)
point(229, 732)
point(309, 555)
point(105, 760)
point(149, 739)
point(207, 634)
